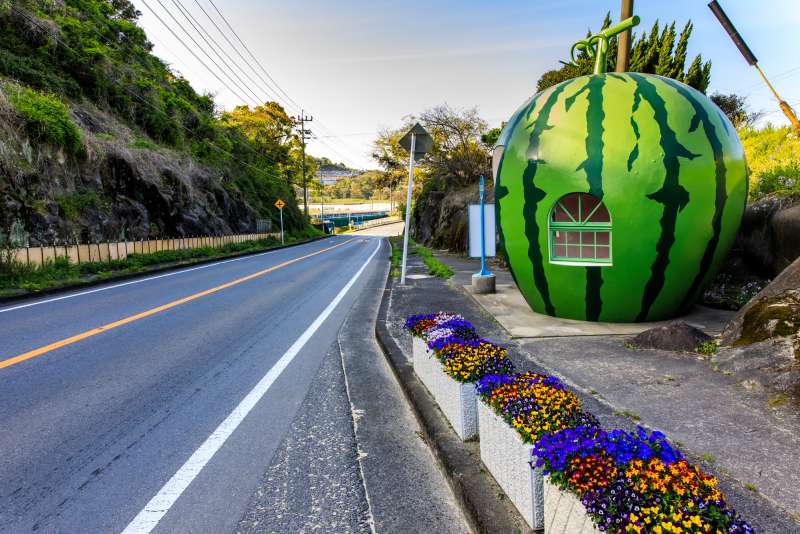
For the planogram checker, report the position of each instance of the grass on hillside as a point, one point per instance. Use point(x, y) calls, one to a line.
point(435, 267)
point(773, 158)
point(61, 271)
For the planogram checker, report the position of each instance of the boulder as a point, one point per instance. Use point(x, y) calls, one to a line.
point(773, 312)
point(771, 364)
point(677, 336)
point(769, 237)
point(785, 226)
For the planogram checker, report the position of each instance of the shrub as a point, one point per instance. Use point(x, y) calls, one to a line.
point(46, 118)
point(773, 158)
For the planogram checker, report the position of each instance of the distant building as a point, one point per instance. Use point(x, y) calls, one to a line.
point(331, 176)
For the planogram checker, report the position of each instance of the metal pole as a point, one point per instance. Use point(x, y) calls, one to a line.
point(408, 206)
point(484, 272)
point(281, 210)
point(787, 110)
point(624, 38)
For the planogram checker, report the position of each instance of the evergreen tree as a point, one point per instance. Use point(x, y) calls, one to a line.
point(655, 52)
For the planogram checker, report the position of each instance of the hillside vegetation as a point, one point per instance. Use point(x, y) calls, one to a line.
point(99, 139)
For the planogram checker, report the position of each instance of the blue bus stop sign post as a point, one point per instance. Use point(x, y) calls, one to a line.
point(483, 272)
point(484, 281)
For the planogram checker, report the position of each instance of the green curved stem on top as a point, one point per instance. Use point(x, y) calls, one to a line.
point(596, 46)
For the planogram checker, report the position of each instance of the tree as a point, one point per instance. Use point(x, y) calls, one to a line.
point(736, 109)
point(654, 53)
point(458, 154)
point(268, 127)
point(490, 138)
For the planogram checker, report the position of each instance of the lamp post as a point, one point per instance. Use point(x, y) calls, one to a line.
point(418, 142)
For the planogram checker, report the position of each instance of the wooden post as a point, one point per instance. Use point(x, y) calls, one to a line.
point(624, 38)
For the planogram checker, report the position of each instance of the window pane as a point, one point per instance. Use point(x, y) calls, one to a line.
point(559, 215)
point(603, 253)
point(602, 238)
point(573, 251)
point(559, 251)
point(601, 215)
point(570, 202)
point(587, 252)
point(573, 238)
point(588, 203)
point(559, 237)
point(587, 238)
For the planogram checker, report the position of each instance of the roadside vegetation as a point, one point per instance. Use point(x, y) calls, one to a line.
point(435, 267)
point(59, 272)
point(78, 76)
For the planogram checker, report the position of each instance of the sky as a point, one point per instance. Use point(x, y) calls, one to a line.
point(358, 66)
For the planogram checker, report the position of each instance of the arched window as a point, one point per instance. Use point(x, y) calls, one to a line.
point(580, 231)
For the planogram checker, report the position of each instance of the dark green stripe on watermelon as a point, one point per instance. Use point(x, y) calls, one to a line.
point(533, 195)
point(721, 194)
point(637, 99)
point(672, 195)
point(501, 191)
point(593, 167)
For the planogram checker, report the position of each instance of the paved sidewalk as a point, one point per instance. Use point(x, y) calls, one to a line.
point(717, 423)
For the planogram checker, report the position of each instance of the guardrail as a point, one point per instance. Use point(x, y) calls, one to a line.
point(377, 222)
point(119, 250)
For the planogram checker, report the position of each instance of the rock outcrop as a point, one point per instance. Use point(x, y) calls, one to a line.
point(773, 312)
point(769, 237)
point(441, 219)
point(117, 189)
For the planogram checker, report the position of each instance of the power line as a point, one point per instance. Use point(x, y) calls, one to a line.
point(271, 92)
point(192, 52)
point(216, 48)
point(250, 53)
point(290, 99)
point(58, 39)
point(263, 156)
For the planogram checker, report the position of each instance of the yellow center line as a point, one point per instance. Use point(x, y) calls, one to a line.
point(109, 326)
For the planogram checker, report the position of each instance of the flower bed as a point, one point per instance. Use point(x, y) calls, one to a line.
point(596, 480)
point(635, 482)
point(448, 357)
point(515, 411)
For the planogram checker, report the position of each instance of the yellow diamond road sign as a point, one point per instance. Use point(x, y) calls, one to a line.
point(280, 204)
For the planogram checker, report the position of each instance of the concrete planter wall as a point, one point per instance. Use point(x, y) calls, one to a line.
point(564, 513)
point(507, 458)
point(457, 400)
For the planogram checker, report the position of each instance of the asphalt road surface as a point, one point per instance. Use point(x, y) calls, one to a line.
point(165, 403)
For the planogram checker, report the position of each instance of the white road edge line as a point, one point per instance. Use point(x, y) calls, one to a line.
point(140, 280)
point(160, 504)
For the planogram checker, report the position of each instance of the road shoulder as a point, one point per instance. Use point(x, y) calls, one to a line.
point(406, 490)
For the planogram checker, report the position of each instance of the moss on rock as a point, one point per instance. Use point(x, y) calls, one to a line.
point(773, 316)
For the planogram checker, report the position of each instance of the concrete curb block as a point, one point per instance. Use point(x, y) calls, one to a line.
point(564, 513)
point(507, 458)
point(475, 492)
point(147, 272)
point(457, 400)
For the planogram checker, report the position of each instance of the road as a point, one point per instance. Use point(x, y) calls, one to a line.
point(178, 402)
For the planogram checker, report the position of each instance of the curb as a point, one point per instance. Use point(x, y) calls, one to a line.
point(476, 492)
point(92, 282)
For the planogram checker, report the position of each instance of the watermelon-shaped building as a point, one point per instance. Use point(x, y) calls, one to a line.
point(617, 196)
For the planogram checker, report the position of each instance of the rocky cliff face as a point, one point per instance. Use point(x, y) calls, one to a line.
point(121, 186)
point(441, 219)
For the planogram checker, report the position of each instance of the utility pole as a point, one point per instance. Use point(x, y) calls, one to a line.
point(624, 38)
point(305, 135)
point(751, 59)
